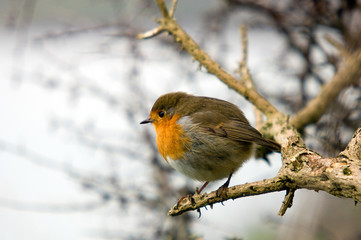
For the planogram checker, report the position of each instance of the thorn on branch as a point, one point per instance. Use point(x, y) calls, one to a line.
point(151, 33)
point(199, 212)
point(287, 203)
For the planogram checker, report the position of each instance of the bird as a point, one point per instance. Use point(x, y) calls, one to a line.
point(204, 138)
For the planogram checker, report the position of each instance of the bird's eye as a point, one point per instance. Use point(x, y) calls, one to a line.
point(161, 114)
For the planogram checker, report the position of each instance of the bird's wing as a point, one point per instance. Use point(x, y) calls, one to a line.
point(236, 129)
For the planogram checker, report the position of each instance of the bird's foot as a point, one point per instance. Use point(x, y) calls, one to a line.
point(222, 191)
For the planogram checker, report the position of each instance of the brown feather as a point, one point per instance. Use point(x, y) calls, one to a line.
point(215, 116)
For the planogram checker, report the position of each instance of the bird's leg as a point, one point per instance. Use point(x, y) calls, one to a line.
point(222, 190)
point(181, 199)
point(200, 190)
point(189, 196)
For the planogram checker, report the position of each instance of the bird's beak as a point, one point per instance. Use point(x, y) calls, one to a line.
point(148, 120)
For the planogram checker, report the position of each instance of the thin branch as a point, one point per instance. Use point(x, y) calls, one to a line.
point(158, 30)
point(337, 45)
point(245, 73)
point(243, 68)
point(243, 30)
point(151, 33)
point(180, 36)
point(249, 189)
point(347, 75)
point(163, 8)
point(287, 203)
point(172, 8)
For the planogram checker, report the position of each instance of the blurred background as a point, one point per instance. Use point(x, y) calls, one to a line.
point(75, 83)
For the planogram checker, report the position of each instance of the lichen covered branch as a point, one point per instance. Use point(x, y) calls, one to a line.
point(339, 176)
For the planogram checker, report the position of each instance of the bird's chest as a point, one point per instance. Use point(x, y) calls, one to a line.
point(172, 140)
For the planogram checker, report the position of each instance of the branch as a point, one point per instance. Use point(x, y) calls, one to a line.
point(158, 30)
point(340, 176)
point(287, 203)
point(246, 76)
point(169, 25)
point(347, 75)
point(163, 8)
point(277, 120)
point(151, 33)
point(249, 189)
point(302, 168)
point(337, 45)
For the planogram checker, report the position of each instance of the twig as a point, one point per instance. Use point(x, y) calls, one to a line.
point(163, 8)
point(287, 203)
point(245, 73)
point(172, 8)
point(151, 33)
point(158, 30)
point(347, 75)
point(171, 26)
point(243, 65)
point(249, 189)
point(337, 45)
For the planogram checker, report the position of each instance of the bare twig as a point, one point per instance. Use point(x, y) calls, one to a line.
point(347, 75)
point(287, 203)
point(151, 33)
point(171, 26)
point(243, 65)
point(246, 76)
point(337, 45)
point(158, 30)
point(172, 8)
point(163, 8)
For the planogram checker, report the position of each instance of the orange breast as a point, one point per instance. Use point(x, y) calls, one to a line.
point(172, 141)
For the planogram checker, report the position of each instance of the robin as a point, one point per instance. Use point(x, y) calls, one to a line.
point(204, 138)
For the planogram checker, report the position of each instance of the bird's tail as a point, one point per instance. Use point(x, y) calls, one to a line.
point(270, 144)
